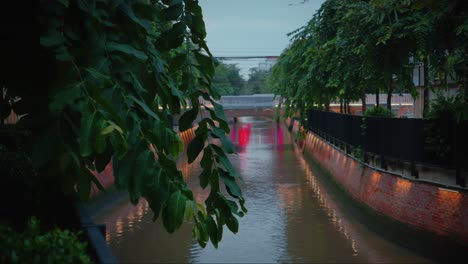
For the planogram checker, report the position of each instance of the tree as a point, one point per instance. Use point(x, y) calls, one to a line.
point(350, 48)
point(110, 75)
point(257, 82)
point(227, 79)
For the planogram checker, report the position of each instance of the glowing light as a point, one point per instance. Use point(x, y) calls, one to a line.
point(119, 226)
point(447, 196)
point(375, 179)
point(403, 186)
point(448, 190)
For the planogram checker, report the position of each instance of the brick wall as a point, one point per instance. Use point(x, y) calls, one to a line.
point(419, 204)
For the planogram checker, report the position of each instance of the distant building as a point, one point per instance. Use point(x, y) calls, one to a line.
point(418, 80)
point(268, 64)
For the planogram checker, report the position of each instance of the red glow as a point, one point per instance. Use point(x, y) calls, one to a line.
point(244, 135)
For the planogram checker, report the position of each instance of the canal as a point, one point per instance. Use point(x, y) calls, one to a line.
point(294, 214)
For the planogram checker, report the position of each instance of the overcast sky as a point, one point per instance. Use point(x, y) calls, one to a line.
point(253, 27)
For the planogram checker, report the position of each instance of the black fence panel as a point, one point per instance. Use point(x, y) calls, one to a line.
point(396, 138)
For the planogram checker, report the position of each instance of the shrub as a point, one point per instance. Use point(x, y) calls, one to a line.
point(439, 126)
point(378, 111)
point(36, 246)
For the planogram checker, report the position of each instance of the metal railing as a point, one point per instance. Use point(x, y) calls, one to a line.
point(400, 139)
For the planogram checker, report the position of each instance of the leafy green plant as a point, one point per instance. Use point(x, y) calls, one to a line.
point(378, 111)
point(301, 135)
point(444, 113)
point(111, 75)
point(36, 246)
point(349, 46)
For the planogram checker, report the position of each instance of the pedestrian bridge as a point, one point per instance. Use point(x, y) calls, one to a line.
point(256, 101)
point(248, 105)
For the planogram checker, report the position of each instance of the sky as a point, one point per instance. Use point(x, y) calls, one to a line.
point(253, 27)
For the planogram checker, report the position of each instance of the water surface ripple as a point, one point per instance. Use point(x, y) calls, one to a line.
point(292, 216)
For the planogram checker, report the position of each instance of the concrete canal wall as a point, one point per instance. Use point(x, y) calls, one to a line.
point(436, 208)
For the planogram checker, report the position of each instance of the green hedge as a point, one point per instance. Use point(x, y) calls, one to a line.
point(36, 246)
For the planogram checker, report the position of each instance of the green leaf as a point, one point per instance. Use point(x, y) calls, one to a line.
point(226, 142)
point(232, 223)
point(157, 191)
point(204, 178)
point(219, 111)
point(124, 167)
point(54, 40)
point(84, 186)
point(145, 107)
point(127, 49)
point(119, 143)
point(187, 118)
point(173, 11)
point(189, 210)
point(224, 160)
point(98, 75)
point(104, 158)
point(127, 9)
point(197, 26)
point(173, 213)
point(107, 109)
point(172, 2)
point(206, 62)
point(194, 148)
point(206, 161)
point(136, 180)
point(173, 37)
point(66, 96)
point(66, 3)
point(212, 230)
point(87, 126)
point(231, 185)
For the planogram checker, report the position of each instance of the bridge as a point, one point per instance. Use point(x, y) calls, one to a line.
point(248, 105)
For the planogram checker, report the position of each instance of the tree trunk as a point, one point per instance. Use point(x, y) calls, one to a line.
point(341, 105)
point(347, 106)
point(363, 100)
point(327, 105)
point(344, 105)
point(377, 96)
point(389, 97)
point(426, 86)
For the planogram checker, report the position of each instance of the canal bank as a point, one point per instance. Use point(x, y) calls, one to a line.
point(425, 211)
point(294, 215)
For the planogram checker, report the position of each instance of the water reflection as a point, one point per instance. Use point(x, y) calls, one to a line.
point(292, 217)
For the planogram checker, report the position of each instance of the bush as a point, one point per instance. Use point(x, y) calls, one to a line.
point(445, 110)
point(448, 107)
point(378, 111)
point(34, 246)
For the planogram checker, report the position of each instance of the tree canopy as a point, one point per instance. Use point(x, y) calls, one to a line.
point(227, 79)
point(111, 74)
point(352, 47)
point(257, 82)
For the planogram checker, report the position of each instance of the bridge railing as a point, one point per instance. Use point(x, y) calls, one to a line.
point(400, 139)
point(249, 101)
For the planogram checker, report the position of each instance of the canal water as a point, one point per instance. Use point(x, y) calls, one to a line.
point(294, 215)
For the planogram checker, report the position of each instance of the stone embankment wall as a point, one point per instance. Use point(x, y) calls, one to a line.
point(106, 177)
point(428, 206)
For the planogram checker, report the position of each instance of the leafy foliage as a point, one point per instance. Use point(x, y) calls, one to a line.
point(444, 114)
point(37, 246)
point(112, 75)
point(350, 48)
point(257, 82)
point(227, 79)
point(378, 111)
